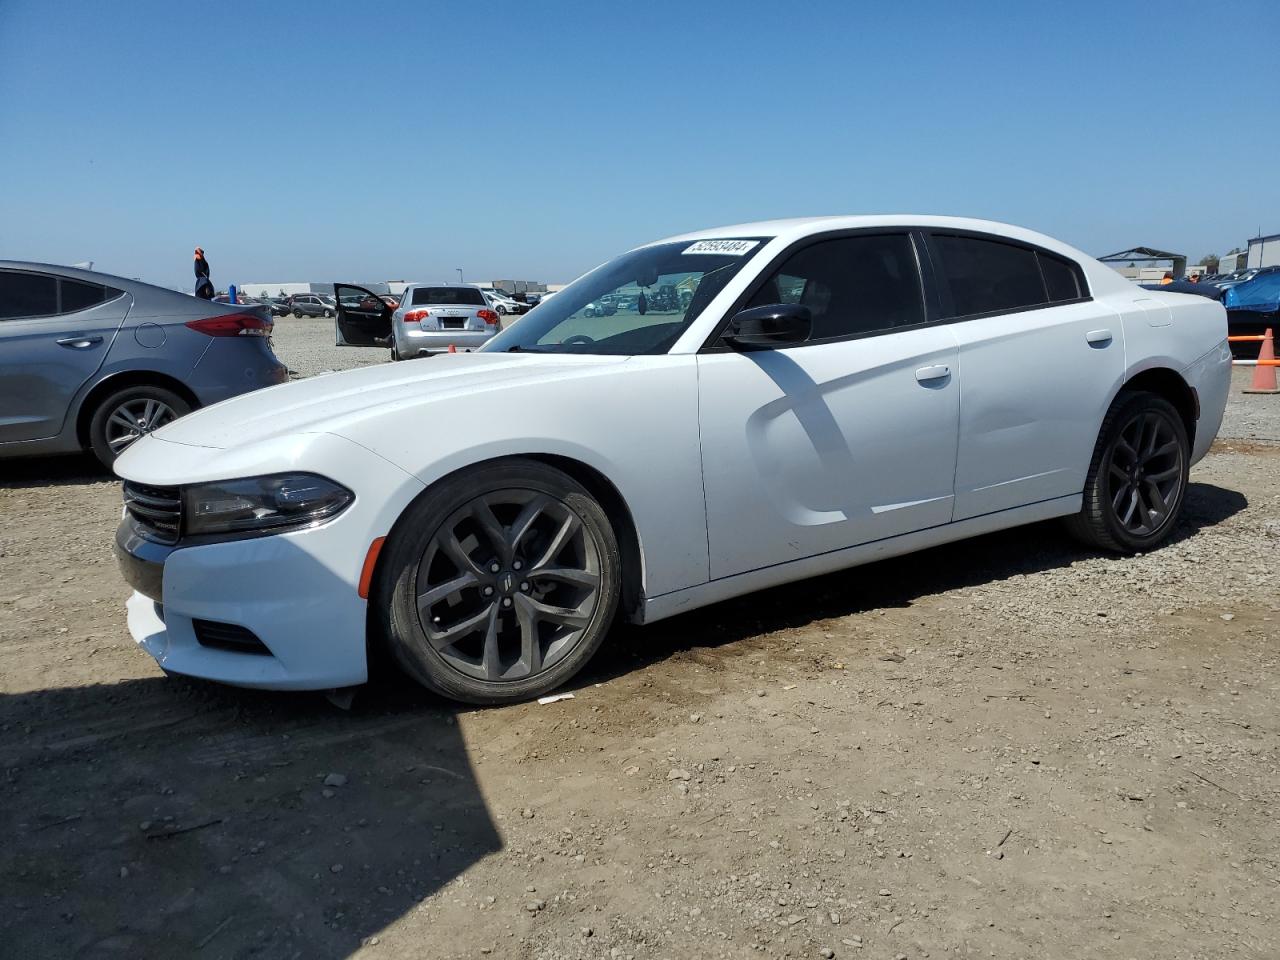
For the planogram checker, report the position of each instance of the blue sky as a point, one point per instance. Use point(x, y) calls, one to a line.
point(331, 141)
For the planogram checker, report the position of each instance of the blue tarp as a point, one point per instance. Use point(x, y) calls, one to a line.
point(1260, 295)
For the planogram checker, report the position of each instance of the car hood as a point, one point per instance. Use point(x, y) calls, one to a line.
point(337, 402)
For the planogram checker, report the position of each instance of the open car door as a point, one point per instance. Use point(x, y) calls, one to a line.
point(364, 319)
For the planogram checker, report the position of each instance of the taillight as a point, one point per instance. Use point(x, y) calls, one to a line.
point(488, 316)
point(232, 325)
point(416, 316)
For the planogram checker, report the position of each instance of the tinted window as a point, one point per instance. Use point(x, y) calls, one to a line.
point(470, 296)
point(82, 296)
point(851, 285)
point(987, 276)
point(1060, 278)
point(27, 295)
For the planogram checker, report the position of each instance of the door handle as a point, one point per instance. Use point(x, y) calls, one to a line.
point(79, 343)
point(1098, 338)
point(933, 374)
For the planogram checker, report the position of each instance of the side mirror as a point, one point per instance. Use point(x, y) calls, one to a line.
point(773, 325)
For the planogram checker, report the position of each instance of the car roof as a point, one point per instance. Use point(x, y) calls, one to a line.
point(796, 228)
point(77, 273)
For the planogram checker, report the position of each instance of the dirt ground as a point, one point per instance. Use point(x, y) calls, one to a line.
point(1003, 748)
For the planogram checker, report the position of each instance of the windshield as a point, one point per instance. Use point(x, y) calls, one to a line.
point(639, 303)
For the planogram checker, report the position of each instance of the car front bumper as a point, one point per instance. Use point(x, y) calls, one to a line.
point(296, 593)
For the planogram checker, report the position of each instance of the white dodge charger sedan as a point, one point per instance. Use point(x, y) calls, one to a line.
point(785, 399)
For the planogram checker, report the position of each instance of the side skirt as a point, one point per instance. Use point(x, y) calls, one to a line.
point(691, 598)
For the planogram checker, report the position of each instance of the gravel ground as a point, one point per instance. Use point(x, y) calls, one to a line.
point(1008, 747)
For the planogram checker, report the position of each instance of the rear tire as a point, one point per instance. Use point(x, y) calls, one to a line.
point(124, 417)
point(510, 634)
point(297, 314)
point(1137, 478)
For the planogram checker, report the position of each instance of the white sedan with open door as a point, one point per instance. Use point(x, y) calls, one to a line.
point(786, 398)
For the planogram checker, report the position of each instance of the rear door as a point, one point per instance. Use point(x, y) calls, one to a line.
point(1041, 360)
point(367, 324)
point(54, 334)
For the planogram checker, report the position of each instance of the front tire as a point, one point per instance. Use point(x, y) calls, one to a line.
point(500, 583)
point(328, 314)
point(127, 415)
point(1137, 478)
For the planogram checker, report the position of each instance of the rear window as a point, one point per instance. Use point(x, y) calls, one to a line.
point(463, 296)
point(986, 276)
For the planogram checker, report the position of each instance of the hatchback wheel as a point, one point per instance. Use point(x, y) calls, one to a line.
point(500, 584)
point(1138, 476)
point(129, 414)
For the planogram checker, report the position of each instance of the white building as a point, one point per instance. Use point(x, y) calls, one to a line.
point(1264, 251)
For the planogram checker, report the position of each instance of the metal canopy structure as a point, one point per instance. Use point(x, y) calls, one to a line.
point(1149, 255)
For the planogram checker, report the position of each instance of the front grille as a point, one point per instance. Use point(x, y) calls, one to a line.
point(157, 511)
point(228, 636)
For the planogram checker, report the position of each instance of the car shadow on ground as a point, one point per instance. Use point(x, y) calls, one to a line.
point(34, 472)
point(896, 582)
point(166, 817)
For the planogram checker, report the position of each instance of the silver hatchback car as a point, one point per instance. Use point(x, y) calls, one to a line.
point(92, 361)
point(431, 318)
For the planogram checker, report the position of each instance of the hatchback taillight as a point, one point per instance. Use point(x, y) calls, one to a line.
point(416, 316)
point(232, 325)
point(488, 316)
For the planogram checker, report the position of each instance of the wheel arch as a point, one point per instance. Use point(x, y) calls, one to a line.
point(1172, 386)
point(631, 601)
point(624, 526)
point(118, 381)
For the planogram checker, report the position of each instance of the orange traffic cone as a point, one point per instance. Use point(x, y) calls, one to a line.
point(1264, 374)
point(453, 349)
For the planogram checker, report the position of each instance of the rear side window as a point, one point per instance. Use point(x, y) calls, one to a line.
point(1061, 278)
point(81, 296)
point(27, 295)
point(463, 296)
point(851, 285)
point(987, 276)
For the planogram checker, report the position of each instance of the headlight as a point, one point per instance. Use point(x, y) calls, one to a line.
point(261, 503)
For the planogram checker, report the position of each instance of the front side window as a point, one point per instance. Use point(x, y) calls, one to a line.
point(460, 296)
point(27, 295)
point(852, 286)
point(638, 303)
point(988, 276)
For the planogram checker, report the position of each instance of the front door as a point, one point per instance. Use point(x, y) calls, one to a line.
point(363, 320)
point(844, 440)
point(54, 334)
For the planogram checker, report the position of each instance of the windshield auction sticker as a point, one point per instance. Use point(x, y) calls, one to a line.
point(725, 248)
